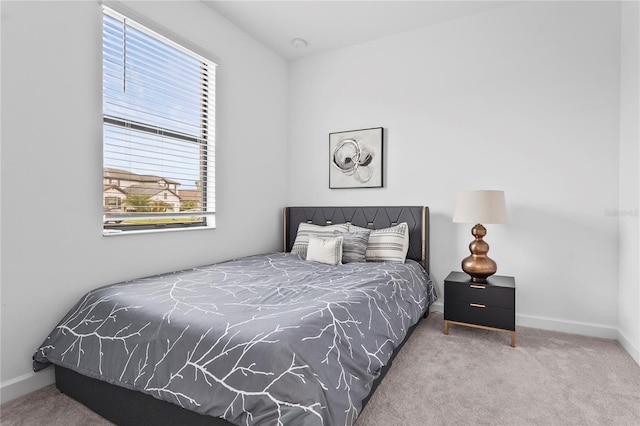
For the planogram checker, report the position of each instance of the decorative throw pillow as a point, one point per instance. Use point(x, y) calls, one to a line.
point(325, 250)
point(306, 229)
point(387, 244)
point(354, 245)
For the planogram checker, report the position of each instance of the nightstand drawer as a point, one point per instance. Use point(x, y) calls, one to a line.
point(487, 316)
point(485, 294)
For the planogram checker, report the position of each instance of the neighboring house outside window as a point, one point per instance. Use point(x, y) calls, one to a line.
point(158, 131)
point(154, 188)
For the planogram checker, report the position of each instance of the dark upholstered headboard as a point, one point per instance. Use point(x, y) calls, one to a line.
point(417, 218)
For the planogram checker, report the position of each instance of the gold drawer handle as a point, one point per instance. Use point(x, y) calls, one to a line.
point(477, 286)
point(476, 305)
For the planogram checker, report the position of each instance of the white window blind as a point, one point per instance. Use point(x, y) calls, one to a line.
point(158, 130)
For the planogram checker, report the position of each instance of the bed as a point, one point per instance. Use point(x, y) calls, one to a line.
point(266, 339)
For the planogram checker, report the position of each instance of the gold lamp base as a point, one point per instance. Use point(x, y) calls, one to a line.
point(478, 265)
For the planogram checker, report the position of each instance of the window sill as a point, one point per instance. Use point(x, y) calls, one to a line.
point(118, 233)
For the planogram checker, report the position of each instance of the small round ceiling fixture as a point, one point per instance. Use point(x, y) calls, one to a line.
point(299, 43)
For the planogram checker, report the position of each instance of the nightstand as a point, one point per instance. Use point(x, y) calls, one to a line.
point(490, 305)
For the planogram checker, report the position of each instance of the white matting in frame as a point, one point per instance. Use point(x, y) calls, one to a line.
point(355, 158)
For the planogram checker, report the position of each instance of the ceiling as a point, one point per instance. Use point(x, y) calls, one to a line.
point(329, 25)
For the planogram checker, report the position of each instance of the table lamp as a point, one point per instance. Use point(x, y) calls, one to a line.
point(479, 207)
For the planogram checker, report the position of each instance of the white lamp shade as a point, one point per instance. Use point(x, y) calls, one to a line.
point(480, 207)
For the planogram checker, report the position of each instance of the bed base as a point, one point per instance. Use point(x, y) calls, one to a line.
point(124, 406)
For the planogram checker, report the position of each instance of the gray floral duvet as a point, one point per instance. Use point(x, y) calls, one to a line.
point(262, 340)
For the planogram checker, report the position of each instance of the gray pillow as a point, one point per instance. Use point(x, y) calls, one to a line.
point(354, 245)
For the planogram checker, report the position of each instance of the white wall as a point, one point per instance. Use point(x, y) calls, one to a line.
point(523, 98)
point(52, 246)
point(629, 291)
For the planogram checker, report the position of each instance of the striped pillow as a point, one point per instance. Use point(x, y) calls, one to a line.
point(325, 250)
point(387, 244)
point(306, 229)
point(354, 245)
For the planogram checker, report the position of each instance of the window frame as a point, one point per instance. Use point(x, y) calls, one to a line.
point(113, 222)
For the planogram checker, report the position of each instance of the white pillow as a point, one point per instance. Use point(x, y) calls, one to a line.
point(325, 250)
point(307, 229)
point(387, 244)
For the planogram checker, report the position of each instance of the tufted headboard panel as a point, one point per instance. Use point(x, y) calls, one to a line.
point(417, 218)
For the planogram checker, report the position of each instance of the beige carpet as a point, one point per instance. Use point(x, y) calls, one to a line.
point(470, 377)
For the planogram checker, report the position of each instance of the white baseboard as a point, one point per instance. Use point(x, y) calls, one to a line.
point(573, 327)
point(437, 306)
point(628, 346)
point(564, 326)
point(27, 383)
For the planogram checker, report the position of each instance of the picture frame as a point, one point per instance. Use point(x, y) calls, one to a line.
point(356, 158)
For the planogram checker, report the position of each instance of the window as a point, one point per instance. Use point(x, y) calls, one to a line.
point(111, 202)
point(158, 130)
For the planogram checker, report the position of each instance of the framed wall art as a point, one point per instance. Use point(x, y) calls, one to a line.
point(355, 158)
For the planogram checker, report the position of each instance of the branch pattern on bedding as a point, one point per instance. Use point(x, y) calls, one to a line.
point(268, 340)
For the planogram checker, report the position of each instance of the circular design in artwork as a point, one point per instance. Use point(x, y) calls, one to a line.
point(353, 159)
point(346, 156)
